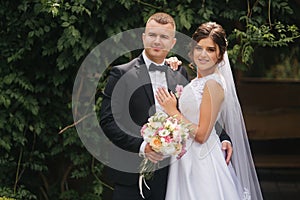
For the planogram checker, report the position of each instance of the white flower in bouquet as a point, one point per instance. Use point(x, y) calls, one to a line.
point(168, 150)
point(171, 124)
point(154, 124)
point(163, 132)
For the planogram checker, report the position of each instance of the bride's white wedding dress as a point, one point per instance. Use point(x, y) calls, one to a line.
point(202, 172)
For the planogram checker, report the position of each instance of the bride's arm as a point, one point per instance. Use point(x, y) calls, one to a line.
point(213, 96)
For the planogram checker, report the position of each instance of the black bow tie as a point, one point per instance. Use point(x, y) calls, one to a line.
point(154, 67)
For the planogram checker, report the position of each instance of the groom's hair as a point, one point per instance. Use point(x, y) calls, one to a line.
point(162, 18)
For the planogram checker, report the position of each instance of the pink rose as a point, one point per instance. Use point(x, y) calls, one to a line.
point(178, 89)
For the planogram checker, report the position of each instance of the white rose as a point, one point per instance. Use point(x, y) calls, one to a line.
point(171, 126)
point(163, 133)
point(169, 150)
point(155, 125)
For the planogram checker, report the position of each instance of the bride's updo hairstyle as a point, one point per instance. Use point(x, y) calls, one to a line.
point(215, 32)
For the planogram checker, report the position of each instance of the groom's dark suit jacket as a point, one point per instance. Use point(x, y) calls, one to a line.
point(128, 102)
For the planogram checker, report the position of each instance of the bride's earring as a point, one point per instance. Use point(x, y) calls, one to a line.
point(193, 66)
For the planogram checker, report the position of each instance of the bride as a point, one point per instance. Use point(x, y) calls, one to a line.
point(202, 172)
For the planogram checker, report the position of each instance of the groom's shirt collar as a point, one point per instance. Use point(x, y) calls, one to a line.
point(148, 61)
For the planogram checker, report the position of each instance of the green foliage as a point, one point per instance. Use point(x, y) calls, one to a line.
point(5, 198)
point(21, 193)
point(43, 43)
point(260, 31)
point(263, 36)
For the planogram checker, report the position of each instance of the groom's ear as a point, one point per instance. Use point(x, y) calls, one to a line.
point(174, 42)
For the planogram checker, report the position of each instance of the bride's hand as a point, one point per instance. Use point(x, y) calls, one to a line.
point(167, 101)
point(173, 63)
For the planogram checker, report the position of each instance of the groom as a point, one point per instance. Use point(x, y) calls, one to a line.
point(148, 71)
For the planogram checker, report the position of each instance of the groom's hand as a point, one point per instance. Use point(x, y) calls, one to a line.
point(173, 62)
point(227, 147)
point(152, 155)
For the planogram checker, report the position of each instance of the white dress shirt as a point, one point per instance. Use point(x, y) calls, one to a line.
point(158, 80)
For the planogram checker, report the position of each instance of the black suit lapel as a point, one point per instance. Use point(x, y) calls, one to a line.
point(145, 82)
point(171, 80)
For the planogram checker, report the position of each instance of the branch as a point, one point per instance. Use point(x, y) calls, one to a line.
point(45, 190)
point(18, 170)
point(269, 14)
point(147, 4)
point(65, 177)
point(248, 8)
point(74, 124)
point(97, 178)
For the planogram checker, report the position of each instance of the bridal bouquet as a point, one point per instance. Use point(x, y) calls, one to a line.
point(166, 135)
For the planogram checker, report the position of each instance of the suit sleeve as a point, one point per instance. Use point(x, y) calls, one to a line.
point(184, 73)
point(222, 133)
point(109, 123)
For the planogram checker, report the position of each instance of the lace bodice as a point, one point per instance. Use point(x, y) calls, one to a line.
point(192, 95)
